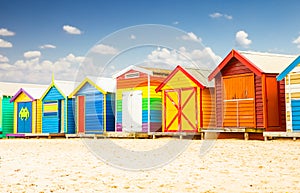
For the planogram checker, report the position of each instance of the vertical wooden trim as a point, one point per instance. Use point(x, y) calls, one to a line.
point(263, 83)
point(179, 110)
point(254, 101)
point(15, 117)
point(290, 104)
point(104, 113)
point(201, 109)
point(164, 112)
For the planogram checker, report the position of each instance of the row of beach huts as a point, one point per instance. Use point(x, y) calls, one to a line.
point(248, 92)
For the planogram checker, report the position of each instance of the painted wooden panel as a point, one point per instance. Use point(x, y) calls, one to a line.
point(189, 110)
point(295, 104)
point(24, 121)
point(51, 120)
point(132, 111)
point(38, 116)
point(171, 99)
point(80, 114)
point(179, 80)
point(71, 120)
point(94, 114)
point(110, 112)
point(272, 102)
point(259, 103)
point(7, 116)
point(22, 98)
point(238, 106)
point(208, 108)
point(235, 67)
point(219, 100)
point(53, 94)
point(144, 90)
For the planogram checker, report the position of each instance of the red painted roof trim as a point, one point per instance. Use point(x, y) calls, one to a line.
point(239, 57)
point(178, 68)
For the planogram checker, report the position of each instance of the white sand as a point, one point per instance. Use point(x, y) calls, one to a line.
point(61, 165)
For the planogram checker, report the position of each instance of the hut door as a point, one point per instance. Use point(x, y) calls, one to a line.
point(132, 111)
point(24, 117)
point(238, 103)
point(181, 112)
point(80, 115)
point(94, 114)
point(272, 102)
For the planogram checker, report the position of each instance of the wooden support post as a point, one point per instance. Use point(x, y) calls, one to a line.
point(95, 137)
point(153, 136)
point(266, 138)
point(246, 136)
point(180, 136)
point(202, 135)
point(294, 138)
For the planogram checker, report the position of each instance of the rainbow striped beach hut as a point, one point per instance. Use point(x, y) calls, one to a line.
point(138, 106)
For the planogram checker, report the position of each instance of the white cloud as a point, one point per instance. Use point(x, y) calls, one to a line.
point(105, 49)
point(32, 54)
point(297, 41)
point(241, 39)
point(204, 58)
point(71, 30)
point(191, 37)
point(175, 22)
point(39, 71)
point(6, 32)
point(5, 44)
point(132, 37)
point(3, 59)
point(220, 15)
point(45, 46)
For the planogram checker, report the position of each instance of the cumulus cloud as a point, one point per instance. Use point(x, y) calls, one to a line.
point(104, 49)
point(45, 46)
point(191, 37)
point(32, 54)
point(3, 58)
point(5, 44)
point(297, 41)
point(204, 58)
point(220, 15)
point(132, 37)
point(71, 30)
point(39, 71)
point(6, 32)
point(241, 39)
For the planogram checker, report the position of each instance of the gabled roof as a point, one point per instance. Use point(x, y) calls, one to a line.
point(32, 93)
point(198, 76)
point(104, 85)
point(132, 67)
point(10, 88)
point(65, 88)
point(289, 69)
point(257, 62)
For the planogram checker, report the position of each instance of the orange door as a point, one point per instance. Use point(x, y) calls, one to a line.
point(238, 101)
point(81, 115)
point(272, 102)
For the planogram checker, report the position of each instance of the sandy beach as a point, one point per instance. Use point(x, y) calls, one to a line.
point(67, 165)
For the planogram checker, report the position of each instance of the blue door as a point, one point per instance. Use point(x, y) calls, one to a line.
point(94, 114)
point(296, 115)
point(24, 117)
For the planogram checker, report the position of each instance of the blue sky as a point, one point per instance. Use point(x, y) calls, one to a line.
point(71, 28)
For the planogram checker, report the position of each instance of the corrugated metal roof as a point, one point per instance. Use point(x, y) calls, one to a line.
point(106, 84)
point(201, 75)
point(66, 87)
point(10, 88)
point(35, 93)
point(269, 62)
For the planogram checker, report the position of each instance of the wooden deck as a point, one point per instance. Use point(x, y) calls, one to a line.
point(34, 135)
point(271, 135)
